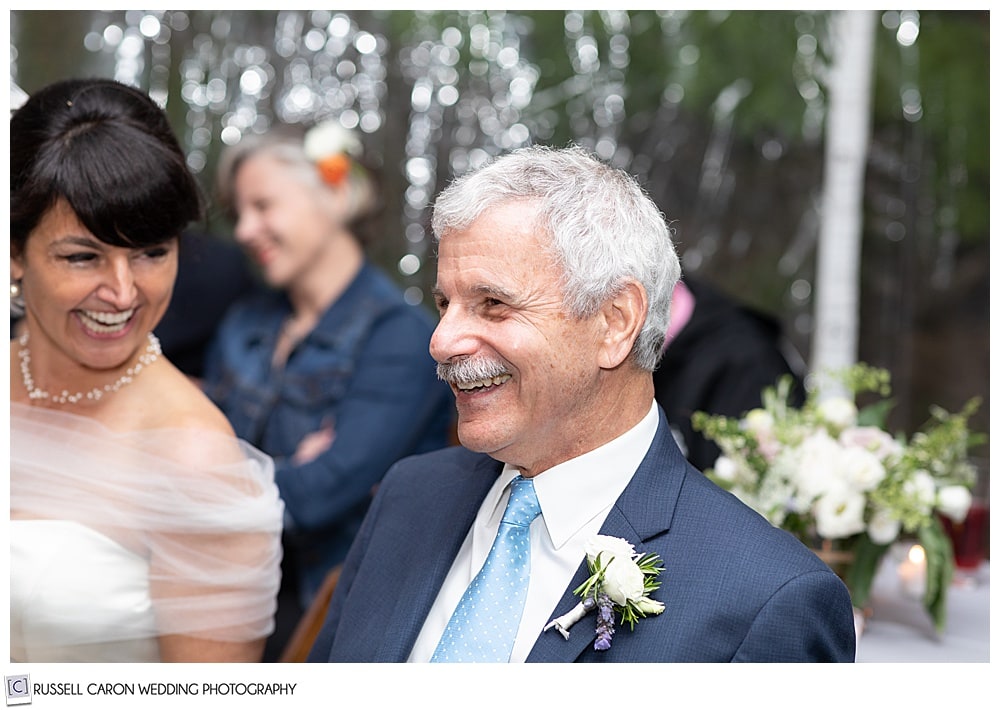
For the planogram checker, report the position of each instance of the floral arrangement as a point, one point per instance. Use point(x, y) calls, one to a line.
point(832, 475)
point(331, 146)
point(621, 580)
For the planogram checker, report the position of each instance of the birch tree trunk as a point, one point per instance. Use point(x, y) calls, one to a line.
point(835, 338)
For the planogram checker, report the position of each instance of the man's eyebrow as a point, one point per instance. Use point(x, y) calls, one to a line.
point(493, 291)
point(482, 290)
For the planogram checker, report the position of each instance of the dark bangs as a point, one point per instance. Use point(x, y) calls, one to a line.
point(108, 150)
point(125, 186)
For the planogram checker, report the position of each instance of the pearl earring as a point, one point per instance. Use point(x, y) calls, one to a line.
point(16, 300)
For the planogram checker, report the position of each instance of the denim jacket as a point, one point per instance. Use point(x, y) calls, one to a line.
point(365, 369)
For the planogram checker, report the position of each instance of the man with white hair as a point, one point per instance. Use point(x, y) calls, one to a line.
point(567, 526)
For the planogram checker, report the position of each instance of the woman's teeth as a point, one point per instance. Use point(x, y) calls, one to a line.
point(104, 322)
point(498, 380)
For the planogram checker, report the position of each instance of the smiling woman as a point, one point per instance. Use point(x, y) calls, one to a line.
point(138, 532)
point(95, 302)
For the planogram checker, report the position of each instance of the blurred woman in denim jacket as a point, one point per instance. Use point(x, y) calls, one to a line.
point(327, 370)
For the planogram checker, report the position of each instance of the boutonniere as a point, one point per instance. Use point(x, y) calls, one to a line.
point(621, 581)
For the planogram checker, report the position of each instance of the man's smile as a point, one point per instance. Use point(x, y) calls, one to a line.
point(482, 384)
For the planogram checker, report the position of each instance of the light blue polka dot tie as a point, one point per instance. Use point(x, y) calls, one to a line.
point(484, 625)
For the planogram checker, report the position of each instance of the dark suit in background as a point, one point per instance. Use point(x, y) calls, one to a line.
point(212, 274)
point(720, 362)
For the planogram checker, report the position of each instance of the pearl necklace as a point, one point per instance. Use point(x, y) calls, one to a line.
point(153, 351)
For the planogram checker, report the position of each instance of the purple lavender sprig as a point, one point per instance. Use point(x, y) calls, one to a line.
point(605, 622)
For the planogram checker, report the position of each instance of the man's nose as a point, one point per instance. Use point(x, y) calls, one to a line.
point(454, 336)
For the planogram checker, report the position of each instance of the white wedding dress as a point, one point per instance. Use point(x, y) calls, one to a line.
point(51, 621)
point(119, 538)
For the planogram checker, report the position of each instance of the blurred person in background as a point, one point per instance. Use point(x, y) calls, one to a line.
point(718, 356)
point(141, 528)
point(326, 368)
point(212, 274)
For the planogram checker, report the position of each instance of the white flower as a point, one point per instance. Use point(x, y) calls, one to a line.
point(838, 412)
point(620, 580)
point(725, 468)
point(920, 488)
point(623, 580)
point(840, 513)
point(862, 469)
point(329, 138)
point(759, 422)
point(740, 470)
point(954, 502)
point(611, 547)
point(871, 439)
point(815, 469)
point(883, 528)
point(649, 606)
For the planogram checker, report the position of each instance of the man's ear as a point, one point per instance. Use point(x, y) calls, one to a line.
point(623, 318)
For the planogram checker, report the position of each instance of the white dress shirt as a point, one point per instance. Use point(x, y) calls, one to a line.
point(575, 497)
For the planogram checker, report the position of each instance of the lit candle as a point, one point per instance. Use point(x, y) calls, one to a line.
point(913, 573)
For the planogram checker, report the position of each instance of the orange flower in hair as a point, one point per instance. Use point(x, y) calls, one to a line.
point(330, 145)
point(334, 169)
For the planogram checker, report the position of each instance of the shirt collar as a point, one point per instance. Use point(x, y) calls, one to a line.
point(573, 493)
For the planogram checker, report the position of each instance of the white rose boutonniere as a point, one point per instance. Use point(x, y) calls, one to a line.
point(621, 580)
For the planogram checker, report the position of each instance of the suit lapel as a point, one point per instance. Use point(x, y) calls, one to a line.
point(643, 511)
point(456, 495)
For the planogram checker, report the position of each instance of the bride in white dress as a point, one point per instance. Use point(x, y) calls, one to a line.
point(141, 528)
point(121, 538)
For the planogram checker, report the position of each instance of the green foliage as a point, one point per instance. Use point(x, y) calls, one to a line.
point(949, 67)
point(940, 568)
point(861, 572)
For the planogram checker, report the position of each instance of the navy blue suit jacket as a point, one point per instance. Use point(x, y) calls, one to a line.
point(735, 587)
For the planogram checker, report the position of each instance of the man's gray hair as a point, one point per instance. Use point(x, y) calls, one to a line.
point(605, 230)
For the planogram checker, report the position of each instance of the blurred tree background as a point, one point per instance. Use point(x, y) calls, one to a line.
point(719, 113)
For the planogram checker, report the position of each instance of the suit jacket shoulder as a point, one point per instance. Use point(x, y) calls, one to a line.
point(421, 513)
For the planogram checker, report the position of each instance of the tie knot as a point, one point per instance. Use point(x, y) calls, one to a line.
point(522, 507)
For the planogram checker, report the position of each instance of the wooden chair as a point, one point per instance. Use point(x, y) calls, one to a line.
point(306, 631)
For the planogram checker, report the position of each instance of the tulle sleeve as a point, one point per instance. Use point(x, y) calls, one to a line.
point(199, 507)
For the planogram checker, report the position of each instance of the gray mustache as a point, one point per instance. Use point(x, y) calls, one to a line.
point(464, 371)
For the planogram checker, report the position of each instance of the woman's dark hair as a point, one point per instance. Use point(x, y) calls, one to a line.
point(108, 150)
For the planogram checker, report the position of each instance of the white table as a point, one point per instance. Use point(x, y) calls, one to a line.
point(900, 630)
